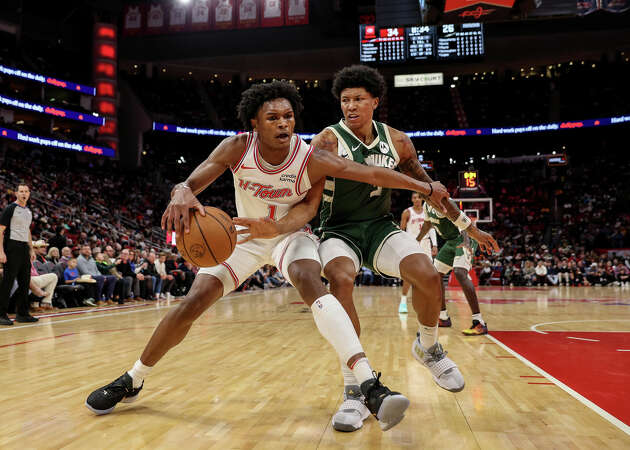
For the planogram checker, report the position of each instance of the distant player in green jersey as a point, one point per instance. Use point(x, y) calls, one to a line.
point(357, 229)
point(456, 255)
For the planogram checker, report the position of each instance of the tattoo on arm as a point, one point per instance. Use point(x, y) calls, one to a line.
point(413, 168)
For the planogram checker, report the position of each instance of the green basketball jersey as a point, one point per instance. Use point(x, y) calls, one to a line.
point(346, 201)
point(440, 222)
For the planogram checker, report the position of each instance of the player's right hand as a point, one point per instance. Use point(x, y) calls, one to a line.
point(3, 257)
point(176, 217)
point(439, 197)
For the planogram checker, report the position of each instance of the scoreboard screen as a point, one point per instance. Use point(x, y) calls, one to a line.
point(368, 43)
point(421, 43)
point(391, 45)
point(459, 40)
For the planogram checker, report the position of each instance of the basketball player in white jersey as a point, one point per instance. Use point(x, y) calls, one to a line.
point(411, 221)
point(274, 171)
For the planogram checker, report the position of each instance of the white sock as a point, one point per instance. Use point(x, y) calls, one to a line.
point(138, 372)
point(403, 299)
point(444, 314)
point(362, 370)
point(478, 317)
point(336, 327)
point(428, 336)
point(348, 376)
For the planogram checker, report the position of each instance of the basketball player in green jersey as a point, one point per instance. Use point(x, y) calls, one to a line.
point(456, 254)
point(357, 229)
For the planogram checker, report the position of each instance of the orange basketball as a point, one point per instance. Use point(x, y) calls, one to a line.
point(211, 239)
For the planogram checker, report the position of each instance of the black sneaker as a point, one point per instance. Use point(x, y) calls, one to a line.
point(4, 320)
point(387, 406)
point(103, 400)
point(26, 319)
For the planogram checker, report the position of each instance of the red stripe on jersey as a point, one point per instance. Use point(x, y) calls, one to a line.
point(232, 274)
point(240, 161)
point(280, 169)
point(298, 182)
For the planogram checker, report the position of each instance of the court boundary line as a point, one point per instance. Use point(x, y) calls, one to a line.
point(579, 397)
point(96, 316)
point(535, 327)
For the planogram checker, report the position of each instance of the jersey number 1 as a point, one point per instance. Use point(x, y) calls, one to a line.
point(272, 212)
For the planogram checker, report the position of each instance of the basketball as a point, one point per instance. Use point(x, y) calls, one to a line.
point(211, 239)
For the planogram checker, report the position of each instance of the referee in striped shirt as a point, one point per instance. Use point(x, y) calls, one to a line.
point(16, 253)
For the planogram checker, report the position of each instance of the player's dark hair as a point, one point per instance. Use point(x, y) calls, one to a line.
point(254, 97)
point(22, 183)
point(359, 76)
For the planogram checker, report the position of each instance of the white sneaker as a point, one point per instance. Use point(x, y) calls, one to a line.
point(444, 370)
point(352, 411)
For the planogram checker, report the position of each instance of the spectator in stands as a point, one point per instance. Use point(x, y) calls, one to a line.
point(123, 266)
point(71, 277)
point(622, 274)
point(59, 239)
point(541, 273)
point(563, 273)
point(529, 273)
point(53, 255)
point(552, 273)
point(150, 276)
point(43, 286)
point(576, 273)
point(104, 283)
point(66, 255)
point(165, 281)
point(173, 268)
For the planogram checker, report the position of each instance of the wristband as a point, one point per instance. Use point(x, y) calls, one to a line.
point(431, 191)
point(462, 222)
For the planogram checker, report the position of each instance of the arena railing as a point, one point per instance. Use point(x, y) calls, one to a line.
point(453, 132)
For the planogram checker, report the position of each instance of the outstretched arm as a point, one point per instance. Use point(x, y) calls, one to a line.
point(298, 216)
point(183, 194)
point(323, 163)
point(410, 166)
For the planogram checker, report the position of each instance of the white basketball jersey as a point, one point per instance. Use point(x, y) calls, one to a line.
point(263, 190)
point(415, 221)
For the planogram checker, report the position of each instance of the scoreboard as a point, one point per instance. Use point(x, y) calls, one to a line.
point(421, 43)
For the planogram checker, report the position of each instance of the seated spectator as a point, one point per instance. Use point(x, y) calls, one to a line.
point(59, 240)
point(563, 273)
point(541, 273)
point(623, 274)
point(552, 273)
point(165, 281)
point(43, 286)
point(66, 255)
point(149, 275)
point(87, 266)
point(53, 255)
point(128, 281)
point(71, 276)
point(367, 276)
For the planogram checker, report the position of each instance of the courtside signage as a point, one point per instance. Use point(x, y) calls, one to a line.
point(419, 79)
point(69, 85)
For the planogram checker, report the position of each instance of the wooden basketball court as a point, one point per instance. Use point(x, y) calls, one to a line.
point(255, 373)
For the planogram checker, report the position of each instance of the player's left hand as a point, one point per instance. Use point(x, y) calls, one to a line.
point(434, 251)
point(487, 244)
point(262, 228)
